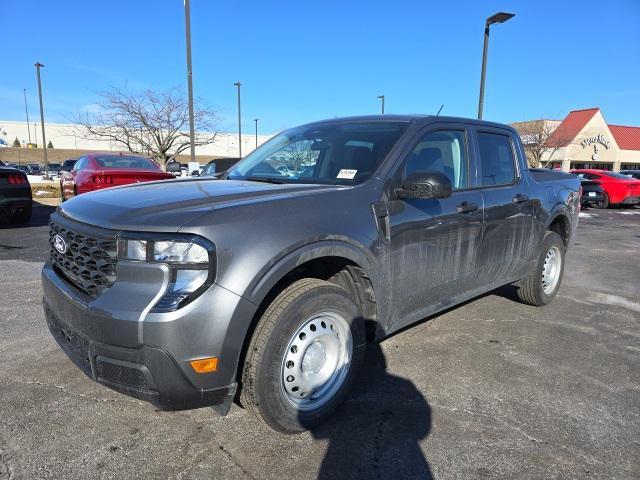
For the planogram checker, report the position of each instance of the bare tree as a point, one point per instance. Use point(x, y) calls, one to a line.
point(541, 138)
point(298, 154)
point(147, 122)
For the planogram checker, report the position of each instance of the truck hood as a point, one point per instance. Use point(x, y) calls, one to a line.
point(167, 205)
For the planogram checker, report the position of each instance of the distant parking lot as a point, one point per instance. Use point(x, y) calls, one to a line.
point(492, 389)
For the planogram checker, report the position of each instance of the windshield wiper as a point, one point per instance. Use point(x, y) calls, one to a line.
point(265, 180)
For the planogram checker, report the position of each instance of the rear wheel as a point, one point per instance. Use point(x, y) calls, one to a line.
point(605, 203)
point(542, 285)
point(303, 356)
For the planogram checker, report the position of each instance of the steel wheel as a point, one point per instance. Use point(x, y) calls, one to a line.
point(551, 270)
point(316, 362)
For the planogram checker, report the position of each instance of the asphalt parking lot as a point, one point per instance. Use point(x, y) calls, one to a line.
point(492, 389)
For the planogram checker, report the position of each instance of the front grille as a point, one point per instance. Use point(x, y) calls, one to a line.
point(88, 263)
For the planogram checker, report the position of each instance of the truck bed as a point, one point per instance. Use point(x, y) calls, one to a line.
point(546, 175)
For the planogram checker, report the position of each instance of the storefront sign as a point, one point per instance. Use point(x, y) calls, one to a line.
point(600, 138)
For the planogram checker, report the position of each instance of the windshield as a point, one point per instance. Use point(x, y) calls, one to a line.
point(331, 153)
point(617, 175)
point(123, 161)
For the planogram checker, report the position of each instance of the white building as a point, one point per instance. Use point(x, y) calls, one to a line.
point(62, 136)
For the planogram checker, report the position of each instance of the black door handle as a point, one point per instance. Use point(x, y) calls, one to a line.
point(519, 198)
point(466, 207)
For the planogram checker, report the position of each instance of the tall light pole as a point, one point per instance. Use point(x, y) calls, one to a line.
point(238, 84)
point(187, 21)
point(44, 139)
point(26, 110)
point(499, 17)
point(381, 97)
point(256, 120)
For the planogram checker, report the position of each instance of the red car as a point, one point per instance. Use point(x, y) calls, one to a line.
point(618, 189)
point(94, 171)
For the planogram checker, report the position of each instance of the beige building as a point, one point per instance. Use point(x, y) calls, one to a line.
point(585, 140)
point(62, 136)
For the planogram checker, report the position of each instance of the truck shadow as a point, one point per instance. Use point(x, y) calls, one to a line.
point(375, 434)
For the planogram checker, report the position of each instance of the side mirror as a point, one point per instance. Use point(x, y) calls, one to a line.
point(195, 173)
point(173, 167)
point(425, 185)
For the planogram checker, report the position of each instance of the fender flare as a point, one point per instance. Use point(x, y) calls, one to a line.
point(295, 256)
point(560, 210)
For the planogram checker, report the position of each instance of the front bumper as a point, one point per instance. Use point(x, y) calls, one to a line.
point(147, 356)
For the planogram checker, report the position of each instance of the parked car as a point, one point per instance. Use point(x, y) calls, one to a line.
point(34, 169)
point(631, 173)
point(24, 169)
point(618, 189)
point(592, 193)
point(185, 293)
point(209, 170)
point(54, 167)
point(218, 166)
point(15, 195)
point(67, 165)
point(95, 171)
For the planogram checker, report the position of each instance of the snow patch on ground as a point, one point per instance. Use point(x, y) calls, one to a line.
point(587, 215)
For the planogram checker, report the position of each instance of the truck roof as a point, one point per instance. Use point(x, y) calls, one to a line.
point(412, 118)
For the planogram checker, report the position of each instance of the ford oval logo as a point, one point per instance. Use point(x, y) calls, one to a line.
point(59, 244)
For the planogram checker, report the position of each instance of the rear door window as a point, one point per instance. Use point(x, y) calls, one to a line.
point(497, 164)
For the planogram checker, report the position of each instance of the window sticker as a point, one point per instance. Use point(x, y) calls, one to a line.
point(347, 174)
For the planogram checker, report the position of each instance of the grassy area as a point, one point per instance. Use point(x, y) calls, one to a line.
point(45, 190)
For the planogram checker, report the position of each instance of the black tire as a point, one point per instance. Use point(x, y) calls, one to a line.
point(532, 289)
point(262, 390)
point(21, 218)
point(605, 203)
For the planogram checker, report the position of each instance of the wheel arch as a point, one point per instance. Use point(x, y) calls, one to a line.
point(339, 262)
point(560, 222)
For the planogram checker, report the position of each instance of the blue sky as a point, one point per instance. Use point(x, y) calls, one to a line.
point(301, 61)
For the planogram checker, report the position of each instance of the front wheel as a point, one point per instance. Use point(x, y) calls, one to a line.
point(303, 356)
point(542, 285)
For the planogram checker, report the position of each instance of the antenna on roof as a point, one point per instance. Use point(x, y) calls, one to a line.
point(441, 107)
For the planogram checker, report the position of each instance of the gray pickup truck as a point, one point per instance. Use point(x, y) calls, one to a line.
point(265, 285)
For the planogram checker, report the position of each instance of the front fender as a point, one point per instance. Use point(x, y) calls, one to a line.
point(296, 255)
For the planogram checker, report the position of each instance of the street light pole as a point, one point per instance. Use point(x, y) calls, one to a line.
point(381, 97)
point(187, 20)
point(256, 120)
point(44, 139)
point(26, 110)
point(499, 17)
point(238, 84)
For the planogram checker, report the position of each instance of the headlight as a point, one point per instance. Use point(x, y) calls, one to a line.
point(191, 260)
point(179, 252)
